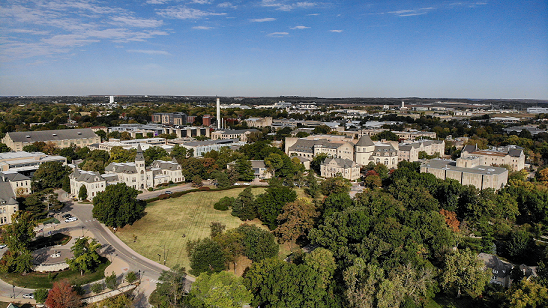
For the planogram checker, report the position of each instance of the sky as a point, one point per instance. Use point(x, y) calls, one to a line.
point(389, 48)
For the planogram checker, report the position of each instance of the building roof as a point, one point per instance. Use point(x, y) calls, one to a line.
point(165, 165)
point(87, 176)
point(365, 141)
point(6, 194)
point(12, 176)
point(51, 135)
point(341, 162)
point(121, 168)
point(209, 142)
point(139, 156)
point(452, 165)
point(257, 164)
point(236, 131)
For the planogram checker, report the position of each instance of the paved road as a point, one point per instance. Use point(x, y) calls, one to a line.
point(151, 194)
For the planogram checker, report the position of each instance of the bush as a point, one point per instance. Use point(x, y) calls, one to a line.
point(111, 281)
point(150, 189)
point(204, 188)
point(131, 277)
point(78, 289)
point(97, 287)
point(224, 203)
point(41, 295)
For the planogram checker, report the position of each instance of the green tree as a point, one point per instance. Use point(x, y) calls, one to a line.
point(216, 228)
point(243, 167)
point(49, 175)
point(386, 135)
point(4, 148)
point(170, 288)
point(219, 290)
point(322, 261)
point(83, 193)
point(224, 203)
point(102, 134)
point(131, 277)
point(20, 232)
point(222, 179)
point(464, 272)
point(155, 153)
point(197, 181)
point(244, 206)
point(317, 161)
point(111, 281)
point(519, 244)
point(206, 255)
point(336, 185)
point(270, 204)
point(526, 293)
point(258, 244)
point(274, 162)
point(85, 258)
point(313, 188)
point(41, 295)
point(118, 206)
point(232, 242)
point(121, 155)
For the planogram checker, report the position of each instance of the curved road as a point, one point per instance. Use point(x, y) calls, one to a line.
point(113, 248)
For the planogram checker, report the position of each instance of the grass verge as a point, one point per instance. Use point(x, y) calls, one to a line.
point(36, 280)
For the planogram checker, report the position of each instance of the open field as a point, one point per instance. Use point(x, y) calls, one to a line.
point(171, 223)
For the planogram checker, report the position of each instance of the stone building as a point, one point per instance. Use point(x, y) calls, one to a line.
point(511, 155)
point(259, 122)
point(240, 134)
point(62, 138)
point(467, 171)
point(8, 203)
point(333, 167)
point(410, 151)
point(133, 174)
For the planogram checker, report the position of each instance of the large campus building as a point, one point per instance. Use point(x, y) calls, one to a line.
point(410, 151)
point(361, 151)
point(134, 174)
point(467, 171)
point(62, 138)
point(510, 155)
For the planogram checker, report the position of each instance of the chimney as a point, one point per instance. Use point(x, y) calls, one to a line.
point(218, 113)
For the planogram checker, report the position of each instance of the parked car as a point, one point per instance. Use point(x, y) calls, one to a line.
point(2, 246)
point(67, 215)
point(168, 192)
point(71, 219)
point(28, 295)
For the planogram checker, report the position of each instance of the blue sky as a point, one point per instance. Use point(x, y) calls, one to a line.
point(390, 48)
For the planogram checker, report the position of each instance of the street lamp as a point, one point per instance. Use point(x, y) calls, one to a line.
point(159, 256)
point(13, 290)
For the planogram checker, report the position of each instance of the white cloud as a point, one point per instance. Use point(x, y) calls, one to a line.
point(26, 31)
point(157, 1)
point(336, 31)
point(185, 13)
point(202, 28)
point(138, 22)
point(201, 1)
point(150, 52)
point(226, 5)
point(284, 6)
point(278, 34)
point(313, 14)
point(262, 19)
point(300, 28)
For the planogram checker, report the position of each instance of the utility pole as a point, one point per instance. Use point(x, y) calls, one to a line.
point(164, 254)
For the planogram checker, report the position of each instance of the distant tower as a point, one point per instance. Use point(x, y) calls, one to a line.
point(140, 166)
point(218, 113)
point(111, 99)
point(402, 104)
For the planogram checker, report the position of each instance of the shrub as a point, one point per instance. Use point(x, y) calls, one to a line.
point(97, 287)
point(41, 295)
point(224, 203)
point(204, 188)
point(111, 281)
point(131, 277)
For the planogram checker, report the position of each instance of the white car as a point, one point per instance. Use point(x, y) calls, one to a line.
point(71, 219)
point(2, 246)
point(28, 295)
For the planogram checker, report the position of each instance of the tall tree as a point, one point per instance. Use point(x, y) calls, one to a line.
point(206, 255)
point(83, 192)
point(4, 148)
point(118, 206)
point(336, 185)
point(244, 206)
point(49, 175)
point(85, 258)
point(219, 290)
point(243, 166)
point(296, 219)
point(62, 295)
point(464, 272)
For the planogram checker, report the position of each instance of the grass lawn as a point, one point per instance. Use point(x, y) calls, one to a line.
point(42, 280)
point(173, 222)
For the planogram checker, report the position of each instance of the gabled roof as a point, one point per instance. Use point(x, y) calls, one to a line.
point(13, 177)
point(341, 162)
point(165, 165)
point(6, 194)
point(365, 141)
point(51, 135)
